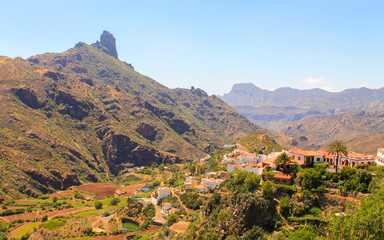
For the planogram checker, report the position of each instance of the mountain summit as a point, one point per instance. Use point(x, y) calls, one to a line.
point(109, 41)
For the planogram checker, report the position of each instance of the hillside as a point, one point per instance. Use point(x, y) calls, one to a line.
point(359, 130)
point(84, 116)
point(259, 142)
point(277, 109)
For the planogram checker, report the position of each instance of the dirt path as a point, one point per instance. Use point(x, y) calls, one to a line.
point(150, 229)
point(159, 216)
point(282, 217)
point(181, 203)
point(68, 211)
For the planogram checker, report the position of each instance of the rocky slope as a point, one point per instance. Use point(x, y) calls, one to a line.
point(361, 131)
point(283, 106)
point(83, 115)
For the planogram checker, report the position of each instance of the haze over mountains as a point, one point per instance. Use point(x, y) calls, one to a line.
point(278, 108)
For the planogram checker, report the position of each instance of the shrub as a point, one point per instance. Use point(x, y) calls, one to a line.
point(44, 218)
point(87, 231)
point(172, 218)
point(145, 225)
point(114, 201)
point(77, 195)
point(285, 206)
point(98, 205)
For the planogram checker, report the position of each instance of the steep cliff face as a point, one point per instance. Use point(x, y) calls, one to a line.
point(88, 115)
point(108, 41)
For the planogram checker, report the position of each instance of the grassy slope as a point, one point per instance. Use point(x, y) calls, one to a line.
point(258, 141)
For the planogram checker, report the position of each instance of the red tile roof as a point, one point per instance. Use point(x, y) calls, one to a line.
point(283, 176)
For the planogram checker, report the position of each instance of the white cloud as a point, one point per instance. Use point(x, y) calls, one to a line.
point(312, 82)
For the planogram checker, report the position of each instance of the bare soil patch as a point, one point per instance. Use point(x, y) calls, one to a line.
point(179, 227)
point(130, 190)
point(101, 190)
point(25, 216)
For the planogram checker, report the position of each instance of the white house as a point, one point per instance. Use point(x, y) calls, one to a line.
point(380, 157)
point(231, 167)
point(161, 193)
point(304, 157)
point(211, 183)
point(356, 158)
point(165, 207)
point(202, 189)
point(249, 167)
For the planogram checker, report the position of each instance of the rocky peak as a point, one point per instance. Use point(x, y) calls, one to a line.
point(108, 41)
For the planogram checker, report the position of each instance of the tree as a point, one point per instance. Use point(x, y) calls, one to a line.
point(267, 190)
point(339, 148)
point(283, 160)
point(252, 181)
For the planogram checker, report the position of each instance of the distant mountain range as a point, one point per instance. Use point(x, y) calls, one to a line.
point(278, 108)
point(314, 118)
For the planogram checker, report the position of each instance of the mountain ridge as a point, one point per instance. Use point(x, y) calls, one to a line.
point(84, 116)
point(277, 109)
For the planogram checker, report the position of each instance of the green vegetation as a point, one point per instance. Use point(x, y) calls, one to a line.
point(172, 218)
point(131, 227)
point(114, 201)
point(98, 205)
point(54, 223)
point(244, 182)
point(191, 200)
point(260, 143)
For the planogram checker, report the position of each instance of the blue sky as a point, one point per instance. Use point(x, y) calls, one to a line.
point(211, 44)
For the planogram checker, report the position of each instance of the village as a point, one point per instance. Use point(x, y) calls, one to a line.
point(150, 197)
point(240, 159)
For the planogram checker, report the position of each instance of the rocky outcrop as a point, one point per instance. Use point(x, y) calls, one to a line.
point(28, 97)
point(178, 125)
point(69, 180)
point(120, 151)
point(69, 104)
point(52, 180)
point(55, 76)
point(146, 130)
point(108, 41)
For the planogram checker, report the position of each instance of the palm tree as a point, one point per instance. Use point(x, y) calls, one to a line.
point(283, 160)
point(338, 147)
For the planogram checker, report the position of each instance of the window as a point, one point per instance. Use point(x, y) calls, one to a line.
point(299, 158)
